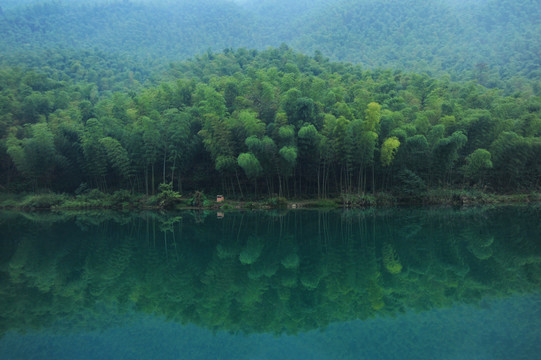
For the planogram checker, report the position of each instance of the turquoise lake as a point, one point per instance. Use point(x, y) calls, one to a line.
point(400, 283)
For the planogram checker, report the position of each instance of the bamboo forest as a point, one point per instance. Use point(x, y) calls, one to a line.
point(272, 179)
point(274, 120)
point(244, 122)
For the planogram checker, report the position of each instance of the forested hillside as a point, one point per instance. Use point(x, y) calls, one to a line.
point(489, 40)
point(129, 95)
point(145, 31)
point(484, 39)
point(271, 122)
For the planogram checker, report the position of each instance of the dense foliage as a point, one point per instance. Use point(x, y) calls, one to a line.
point(88, 98)
point(272, 122)
point(260, 271)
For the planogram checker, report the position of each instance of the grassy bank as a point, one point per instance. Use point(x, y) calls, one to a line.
point(168, 199)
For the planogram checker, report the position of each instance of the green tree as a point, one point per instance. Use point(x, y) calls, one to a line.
point(95, 157)
point(151, 144)
point(308, 140)
point(477, 163)
point(36, 106)
point(414, 154)
point(36, 156)
point(251, 166)
point(445, 155)
point(117, 157)
point(510, 154)
point(373, 117)
point(388, 150)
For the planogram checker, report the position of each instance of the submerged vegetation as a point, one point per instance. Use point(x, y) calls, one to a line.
point(279, 272)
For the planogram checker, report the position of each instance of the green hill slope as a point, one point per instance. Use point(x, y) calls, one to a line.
point(500, 37)
point(148, 31)
point(487, 40)
point(273, 122)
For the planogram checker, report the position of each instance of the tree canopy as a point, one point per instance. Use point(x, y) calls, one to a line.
point(276, 120)
point(488, 41)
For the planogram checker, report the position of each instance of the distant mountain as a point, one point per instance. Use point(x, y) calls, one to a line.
point(173, 32)
point(497, 36)
point(10, 4)
point(486, 40)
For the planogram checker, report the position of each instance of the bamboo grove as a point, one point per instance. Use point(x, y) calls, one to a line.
point(262, 123)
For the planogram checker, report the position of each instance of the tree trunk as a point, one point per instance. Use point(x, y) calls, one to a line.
point(179, 182)
point(146, 180)
point(164, 158)
point(173, 170)
point(238, 182)
point(373, 181)
point(153, 180)
point(318, 185)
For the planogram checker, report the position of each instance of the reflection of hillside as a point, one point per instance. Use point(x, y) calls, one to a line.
point(262, 272)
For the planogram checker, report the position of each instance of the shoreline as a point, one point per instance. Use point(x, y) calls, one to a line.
point(121, 200)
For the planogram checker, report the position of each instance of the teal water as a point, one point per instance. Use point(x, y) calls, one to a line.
point(408, 283)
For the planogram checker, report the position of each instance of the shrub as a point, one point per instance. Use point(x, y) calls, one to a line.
point(322, 203)
point(94, 194)
point(167, 197)
point(384, 199)
point(198, 199)
point(354, 200)
point(409, 184)
point(43, 201)
point(277, 202)
point(121, 197)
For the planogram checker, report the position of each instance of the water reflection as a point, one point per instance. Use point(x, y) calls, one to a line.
point(259, 272)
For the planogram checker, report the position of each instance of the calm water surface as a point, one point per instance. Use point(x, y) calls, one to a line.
point(408, 283)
